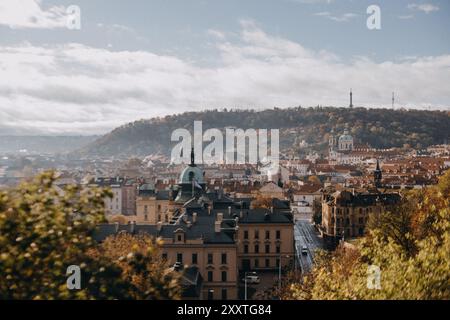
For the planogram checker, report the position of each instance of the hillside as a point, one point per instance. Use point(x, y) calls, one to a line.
point(381, 128)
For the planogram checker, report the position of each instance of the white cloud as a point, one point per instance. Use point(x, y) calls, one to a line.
point(30, 14)
point(338, 18)
point(74, 88)
point(216, 34)
point(425, 7)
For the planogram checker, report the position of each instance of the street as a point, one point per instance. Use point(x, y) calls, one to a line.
point(306, 235)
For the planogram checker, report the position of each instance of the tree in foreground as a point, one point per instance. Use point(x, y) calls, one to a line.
point(42, 233)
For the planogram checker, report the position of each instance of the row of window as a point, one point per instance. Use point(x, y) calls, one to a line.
point(146, 208)
point(223, 276)
point(347, 211)
point(256, 249)
point(267, 234)
point(194, 258)
point(224, 294)
point(347, 221)
point(256, 263)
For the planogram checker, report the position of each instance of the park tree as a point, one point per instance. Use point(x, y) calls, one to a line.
point(43, 232)
point(148, 271)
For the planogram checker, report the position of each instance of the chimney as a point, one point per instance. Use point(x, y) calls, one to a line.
point(209, 211)
point(220, 217)
point(217, 226)
point(229, 211)
point(159, 226)
point(271, 209)
point(194, 217)
point(189, 224)
point(132, 226)
point(116, 227)
point(185, 218)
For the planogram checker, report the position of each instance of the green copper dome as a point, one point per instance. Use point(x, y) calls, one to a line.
point(192, 172)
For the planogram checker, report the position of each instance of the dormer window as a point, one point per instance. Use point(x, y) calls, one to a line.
point(179, 235)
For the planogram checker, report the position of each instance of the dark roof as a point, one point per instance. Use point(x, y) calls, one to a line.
point(260, 216)
point(191, 282)
point(346, 198)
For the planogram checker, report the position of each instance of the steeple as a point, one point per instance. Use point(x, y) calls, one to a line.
point(377, 175)
point(393, 99)
point(351, 98)
point(192, 158)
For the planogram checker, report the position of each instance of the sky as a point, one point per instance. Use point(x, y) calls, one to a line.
point(138, 59)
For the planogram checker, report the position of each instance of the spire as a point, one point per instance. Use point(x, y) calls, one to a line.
point(377, 175)
point(192, 157)
point(351, 98)
point(393, 99)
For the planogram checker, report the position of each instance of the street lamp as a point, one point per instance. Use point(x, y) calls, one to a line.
point(279, 272)
point(245, 280)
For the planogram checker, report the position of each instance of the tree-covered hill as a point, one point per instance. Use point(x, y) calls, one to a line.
point(381, 128)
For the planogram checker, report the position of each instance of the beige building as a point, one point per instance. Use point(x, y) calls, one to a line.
point(345, 213)
point(264, 240)
point(271, 190)
point(202, 239)
point(153, 206)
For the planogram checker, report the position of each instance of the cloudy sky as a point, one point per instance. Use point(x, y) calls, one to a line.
point(137, 59)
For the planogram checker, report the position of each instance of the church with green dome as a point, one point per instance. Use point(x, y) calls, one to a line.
point(191, 182)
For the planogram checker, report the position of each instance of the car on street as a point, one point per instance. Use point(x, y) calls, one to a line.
point(304, 250)
point(252, 278)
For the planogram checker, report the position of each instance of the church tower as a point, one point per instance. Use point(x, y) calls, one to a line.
point(332, 141)
point(377, 175)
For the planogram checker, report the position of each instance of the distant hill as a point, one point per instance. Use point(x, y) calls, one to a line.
point(43, 144)
point(381, 128)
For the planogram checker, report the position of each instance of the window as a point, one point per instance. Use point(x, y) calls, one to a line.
point(224, 276)
point(361, 231)
point(146, 217)
point(159, 217)
point(267, 234)
point(194, 258)
point(246, 248)
point(164, 256)
point(145, 209)
point(180, 257)
point(278, 234)
point(256, 248)
point(267, 263)
point(224, 258)
point(267, 248)
point(224, 294)
point(159, 207)
point(246, 234)
point(210, 294)
point(256, 263)
point(166, 218)
point(361, 220)
point(179, 237)
point(256, 234)
point(278, 249)
point(210, 258)
point(278, 263)
point(210, 276)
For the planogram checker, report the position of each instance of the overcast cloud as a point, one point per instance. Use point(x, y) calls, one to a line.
point(75, 88)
